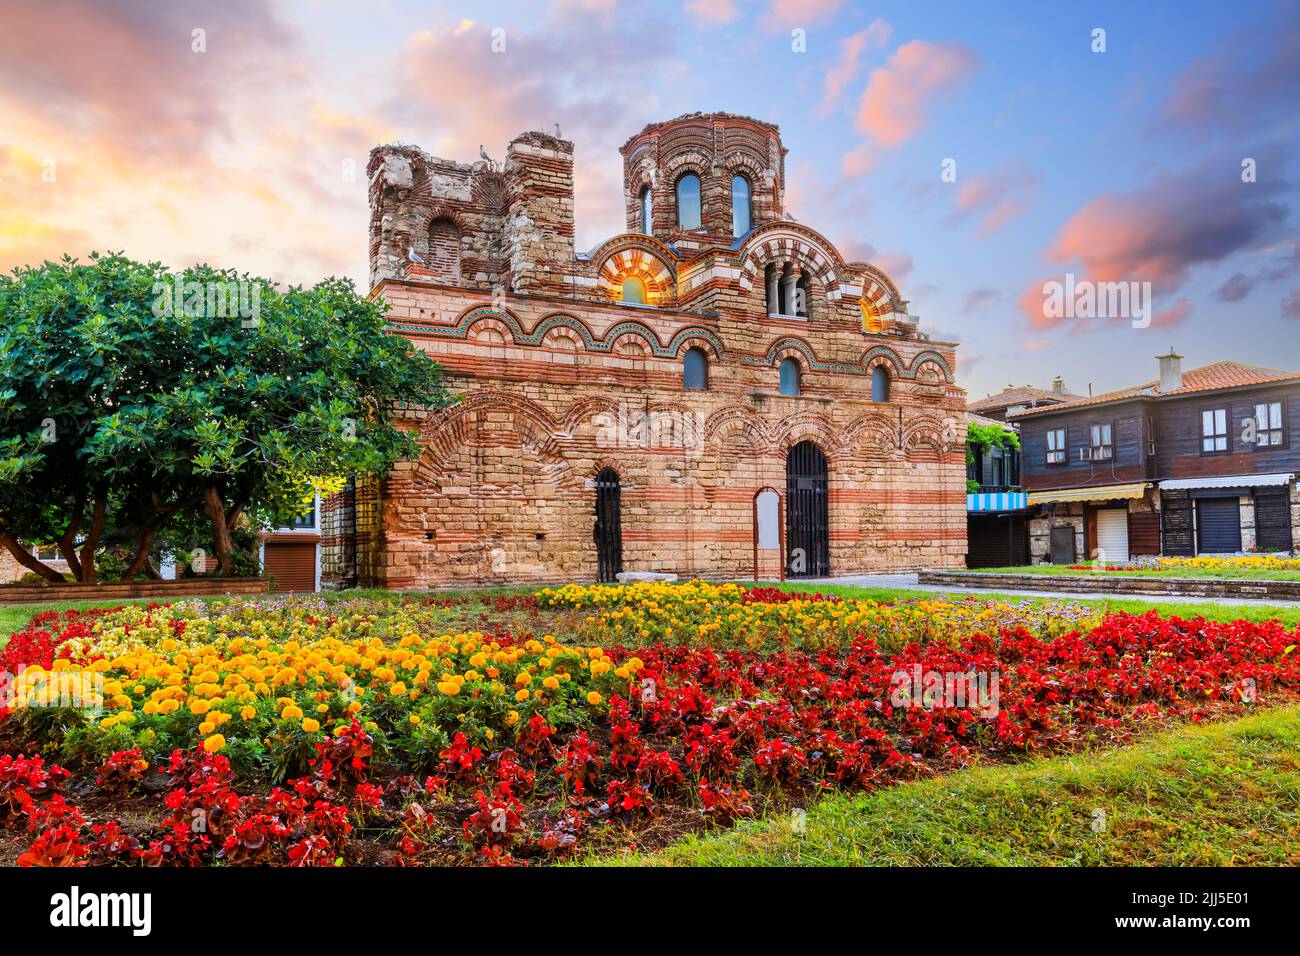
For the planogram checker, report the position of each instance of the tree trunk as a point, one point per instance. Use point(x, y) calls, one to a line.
point(215, 509)
point(67, 545)
point(151, 572)
point(141, 559)
point(28, 560)
point(87, 575)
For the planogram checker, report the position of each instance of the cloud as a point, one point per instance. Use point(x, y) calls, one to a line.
point(976, 299)
point(1247, 82)
point(785, 15)
point(1176, 314)
point(898, 96)
point(1160, 231)
point(1036, 345)
point(896, 265)
point(1291, 305)
point(1239, 285)
point(994, 199)
point(712, 13)
point(126, 72)
point(846, 64)
point(457, 94)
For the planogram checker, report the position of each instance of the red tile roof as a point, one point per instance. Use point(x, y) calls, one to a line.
point(1207, 378)
point(1019, 395)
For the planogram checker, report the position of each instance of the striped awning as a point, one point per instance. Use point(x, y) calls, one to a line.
point(996, 501)
point(1227, 481)
point(1096, 493)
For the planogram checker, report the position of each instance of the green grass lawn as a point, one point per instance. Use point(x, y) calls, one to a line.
point(1242, 574)
point(1223, 794)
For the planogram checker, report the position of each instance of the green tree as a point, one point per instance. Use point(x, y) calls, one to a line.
point(206, 389)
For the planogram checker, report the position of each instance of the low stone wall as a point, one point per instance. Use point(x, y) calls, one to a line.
point(1107, 584)
point(107, 591)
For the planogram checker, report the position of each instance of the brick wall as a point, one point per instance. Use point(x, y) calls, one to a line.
point(560, 379)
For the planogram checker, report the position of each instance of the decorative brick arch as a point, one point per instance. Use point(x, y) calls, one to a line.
point(447, 434)
point(873, 432)
point(638, 259)
point(934, 359)
point(808, 426)
point(883, 355)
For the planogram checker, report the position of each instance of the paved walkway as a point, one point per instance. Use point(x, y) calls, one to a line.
point(911, 582)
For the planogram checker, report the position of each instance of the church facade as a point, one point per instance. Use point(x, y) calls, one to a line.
point(713, 393)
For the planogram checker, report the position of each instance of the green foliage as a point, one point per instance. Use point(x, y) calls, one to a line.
point(155, 386)
point(983, 437)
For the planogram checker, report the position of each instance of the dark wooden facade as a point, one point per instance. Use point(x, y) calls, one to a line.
point(1156, 439)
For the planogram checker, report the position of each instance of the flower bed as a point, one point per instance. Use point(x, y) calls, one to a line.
point(294, 732)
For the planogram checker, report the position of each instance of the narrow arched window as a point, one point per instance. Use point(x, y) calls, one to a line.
point(646, 209)
point(740, 212)
point(633, 291)
point(879, 384)
point(801, 298)
point(790, 377)
point(443, 257)
point(688, 202)
point(695, 369)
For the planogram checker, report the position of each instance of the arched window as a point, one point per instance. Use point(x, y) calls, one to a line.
point(879, 384)
point(695, 369)
point(802, 296)
point(688, 202)
point(790, 376)
point(444, 250)
point(633, 291)
point(739, 205)
point(646, 210)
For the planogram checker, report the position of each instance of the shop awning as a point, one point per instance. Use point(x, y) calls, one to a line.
point(1226, 481)
point(1096, 493)
point(996, 501)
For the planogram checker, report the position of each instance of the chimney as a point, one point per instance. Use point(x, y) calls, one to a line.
point(1058, 385)
point(1171, 371)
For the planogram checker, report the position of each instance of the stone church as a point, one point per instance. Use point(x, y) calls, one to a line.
point(714, 392)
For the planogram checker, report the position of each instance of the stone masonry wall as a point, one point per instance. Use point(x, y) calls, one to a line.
point(559, 378)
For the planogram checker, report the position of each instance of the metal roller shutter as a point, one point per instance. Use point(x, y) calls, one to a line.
point(293, 563)
point(1218, 525)
point(1112, 535)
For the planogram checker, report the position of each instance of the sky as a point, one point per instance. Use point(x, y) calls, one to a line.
point(973, 151)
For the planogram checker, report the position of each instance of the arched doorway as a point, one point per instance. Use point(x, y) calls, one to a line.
point(807, 518)
point(608, 531)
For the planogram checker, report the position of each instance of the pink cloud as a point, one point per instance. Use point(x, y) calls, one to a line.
point(995, 199)
point(1176, 314)
point(896, 102)
point(846, 64)
point(712, 12)
point(785, 15)
point(1160, 231)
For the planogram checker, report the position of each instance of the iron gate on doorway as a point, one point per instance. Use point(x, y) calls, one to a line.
point(608, 532)
point(807, 535)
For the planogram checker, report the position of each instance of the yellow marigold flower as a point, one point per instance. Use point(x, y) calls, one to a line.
point(354, 707)
point(523, 678)
point(551, 683)
point(448, 687)
point(311, 725)
point(292, 712)
point(594, 699)
point(521, 694)
point(512, 718)
point(248, 713)
point(398, 689)
point(214, 743)
point(414, 719)
point(199, 707)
